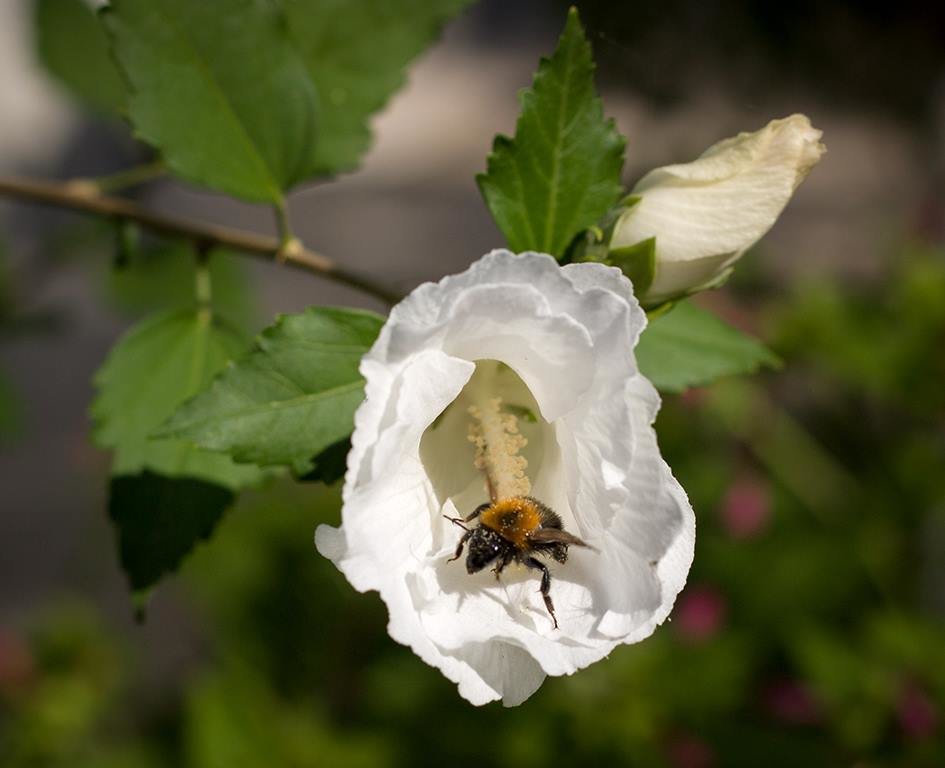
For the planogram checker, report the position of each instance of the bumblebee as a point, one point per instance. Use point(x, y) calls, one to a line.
point(515, 529)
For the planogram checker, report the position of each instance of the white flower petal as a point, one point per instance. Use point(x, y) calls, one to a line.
point(706, 213)
point(556, 342)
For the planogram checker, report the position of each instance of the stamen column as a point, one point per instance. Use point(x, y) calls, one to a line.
point(498, 442)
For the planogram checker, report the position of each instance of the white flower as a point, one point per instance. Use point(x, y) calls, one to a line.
point(707, 213)
point(544, 353)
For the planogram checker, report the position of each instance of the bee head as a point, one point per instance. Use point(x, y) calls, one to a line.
point(485, 545)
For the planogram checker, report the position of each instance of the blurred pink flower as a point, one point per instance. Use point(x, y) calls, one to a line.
point(700, 613)
point(16, 662)
point(745, 509)
point(791, 701)
point(916, 712)
point(686, 751)
point(694, 398)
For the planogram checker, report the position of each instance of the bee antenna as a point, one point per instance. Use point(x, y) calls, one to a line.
point(457, 521)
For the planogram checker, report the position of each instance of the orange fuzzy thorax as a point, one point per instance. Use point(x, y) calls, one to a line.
point(514, 518)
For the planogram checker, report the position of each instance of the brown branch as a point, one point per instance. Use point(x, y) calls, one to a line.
point(84, 196)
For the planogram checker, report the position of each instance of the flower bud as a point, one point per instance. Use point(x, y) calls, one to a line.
point(686, 225)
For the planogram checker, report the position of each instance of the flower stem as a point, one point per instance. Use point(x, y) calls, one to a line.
point(84, 196)
point(288, 243)
point(130, 177)
point(203, 287)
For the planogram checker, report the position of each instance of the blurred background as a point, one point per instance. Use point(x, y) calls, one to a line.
point(812, 630)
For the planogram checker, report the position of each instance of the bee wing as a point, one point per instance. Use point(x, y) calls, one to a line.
point(556, 536)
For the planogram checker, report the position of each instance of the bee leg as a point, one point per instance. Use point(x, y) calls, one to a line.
point(545, 588)
point(459, 546)
point(477, 511)
point(500, 566)
point(461, 521)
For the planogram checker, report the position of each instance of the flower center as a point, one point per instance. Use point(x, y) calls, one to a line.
point(479, 448)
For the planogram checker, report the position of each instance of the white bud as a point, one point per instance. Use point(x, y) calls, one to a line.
point(707, 213)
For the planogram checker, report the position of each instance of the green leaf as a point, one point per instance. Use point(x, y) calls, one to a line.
point(355, 52)
point(689, 347)
point(219, 89)
point(73, 47)
point(160, 276)
point(156, 366)
point(330, 465)
point(561, 172)
point(159, 521)
point(166, 495)
point(293, 396)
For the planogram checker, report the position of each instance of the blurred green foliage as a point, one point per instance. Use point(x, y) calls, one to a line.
point(73, 48)
point(810, 634)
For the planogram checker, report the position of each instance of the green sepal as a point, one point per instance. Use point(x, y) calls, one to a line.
point(593, 244)
point(637, 262)
point(664, 305)
point(660, 309)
